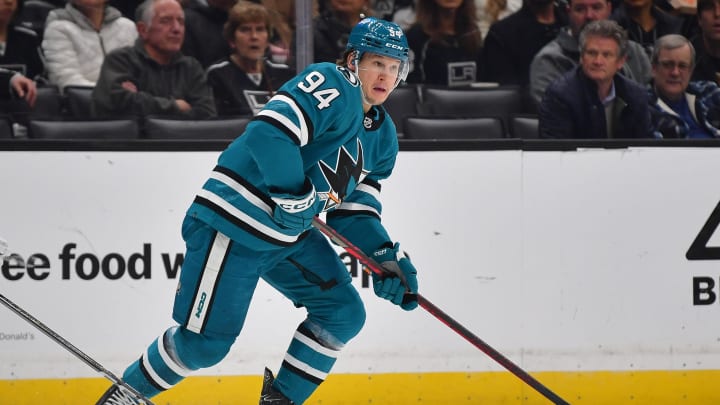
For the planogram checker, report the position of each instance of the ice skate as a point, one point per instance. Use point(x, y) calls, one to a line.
point(269, 395)
point(117, 395)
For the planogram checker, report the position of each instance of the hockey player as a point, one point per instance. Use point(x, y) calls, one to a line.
point(321, 144)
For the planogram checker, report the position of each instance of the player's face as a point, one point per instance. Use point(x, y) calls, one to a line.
point(582, 12)
point(378, 75)
point(671, 74)
point(251, 40)
point(601, 59)
point(166, 31)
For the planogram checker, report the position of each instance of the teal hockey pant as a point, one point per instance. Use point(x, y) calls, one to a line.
point(216, 285)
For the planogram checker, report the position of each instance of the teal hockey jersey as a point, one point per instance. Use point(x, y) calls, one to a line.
point(314, 126)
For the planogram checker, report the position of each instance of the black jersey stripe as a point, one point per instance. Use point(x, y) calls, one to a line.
point(337, 213)
point(243, 225)
point(305, 116)
point(302, 374)
point(248, 186)
point(277, 124)
point(143, 370)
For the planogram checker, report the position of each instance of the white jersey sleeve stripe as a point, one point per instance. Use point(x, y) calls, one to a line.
point(240, 189)
point(230, 209)
point(350, 206)
point(301, 132)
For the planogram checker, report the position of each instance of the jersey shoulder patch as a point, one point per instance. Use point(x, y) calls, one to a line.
point(348, 75)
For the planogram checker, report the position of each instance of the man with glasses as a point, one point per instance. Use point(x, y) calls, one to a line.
point(561, 55)
point(594, 100)
point(681, 108)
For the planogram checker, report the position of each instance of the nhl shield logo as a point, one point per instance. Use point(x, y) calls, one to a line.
point(367, 122)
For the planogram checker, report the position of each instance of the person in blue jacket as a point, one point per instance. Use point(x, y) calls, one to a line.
point(323, 143)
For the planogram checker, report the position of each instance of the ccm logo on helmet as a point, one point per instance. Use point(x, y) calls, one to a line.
point(394, 46)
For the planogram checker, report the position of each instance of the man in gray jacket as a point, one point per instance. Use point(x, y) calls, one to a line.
point(153, 76)
point(563, 54)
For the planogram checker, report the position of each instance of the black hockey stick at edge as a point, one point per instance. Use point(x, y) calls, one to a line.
point(72, 349)
point(373, 266)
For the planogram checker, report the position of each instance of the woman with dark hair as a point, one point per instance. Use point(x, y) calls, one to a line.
point(445, 43)
point(19, 46)
point(245, 80)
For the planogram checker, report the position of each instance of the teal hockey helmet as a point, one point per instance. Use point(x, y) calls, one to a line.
point(383, 38)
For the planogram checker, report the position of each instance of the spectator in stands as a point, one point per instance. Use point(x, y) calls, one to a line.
point(332, 27)
point(445, 43)
point(402, 12)
point(512, 42)
point(561, 54)
point(153, 76)
point(245, 80)
point(14, 84)
point(282, 19)
point(645, 22)
point(593, 100)
point(491, 11)
point(19, 46)
point(77, 38)
point(204, 38)
point(707, 42)
point(680, 108)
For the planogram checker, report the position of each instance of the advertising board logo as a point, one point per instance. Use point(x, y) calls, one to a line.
point(699, 249)
point(703, 287)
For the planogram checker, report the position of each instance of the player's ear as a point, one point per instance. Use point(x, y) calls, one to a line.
point(350, 60)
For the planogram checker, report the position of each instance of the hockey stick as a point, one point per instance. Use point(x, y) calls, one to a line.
point(374, 267)
point(72, 349)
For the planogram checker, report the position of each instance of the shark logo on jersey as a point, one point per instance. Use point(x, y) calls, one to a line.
point(348, 173)
point(348, 75)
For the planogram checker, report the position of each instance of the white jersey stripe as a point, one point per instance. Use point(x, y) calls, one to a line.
point(284, 121)
point(305, 367)
point(315, 345)
point(240, 189)
point(219, 201)
point(302, 131)
point(207, 283)
point(369, 190)
point(153, 374)
point(304, 135)
point(350, 206)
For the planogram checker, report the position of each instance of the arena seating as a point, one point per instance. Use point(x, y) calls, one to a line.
point(453, 128)
point(500, 111)
point(85, 129)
